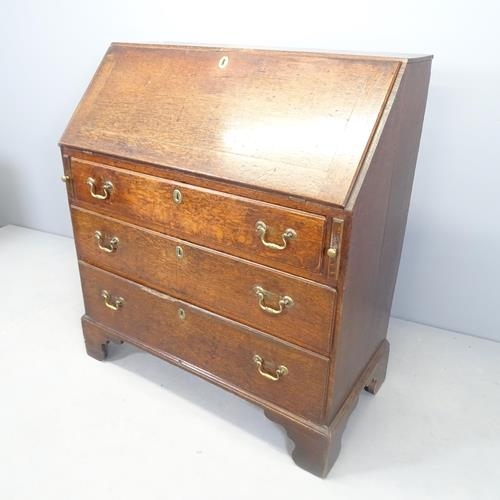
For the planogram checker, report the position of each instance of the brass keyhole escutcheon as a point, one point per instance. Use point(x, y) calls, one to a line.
point(181, 313)
point(179, 252)
point(223, 62)
point(177, 196)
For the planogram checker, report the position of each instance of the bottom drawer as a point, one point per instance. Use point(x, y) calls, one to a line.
point(223, 348)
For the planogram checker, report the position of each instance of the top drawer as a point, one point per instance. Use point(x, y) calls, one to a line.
point(283, 238)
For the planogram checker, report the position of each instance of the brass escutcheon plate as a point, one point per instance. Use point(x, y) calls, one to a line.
point(177, 196)
point(223, 62)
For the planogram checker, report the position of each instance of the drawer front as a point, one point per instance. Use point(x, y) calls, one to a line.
point(221, 347)
point(284, 238)
point(214, 281)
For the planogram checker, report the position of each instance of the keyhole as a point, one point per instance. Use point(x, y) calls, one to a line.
point(223, 62)
point(177, 196)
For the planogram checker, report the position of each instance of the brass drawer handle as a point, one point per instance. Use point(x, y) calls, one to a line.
point(284, 301)
point(110, 247)
point(107, 187)
point(113, 304)
point(281, 371)
point(261, 228)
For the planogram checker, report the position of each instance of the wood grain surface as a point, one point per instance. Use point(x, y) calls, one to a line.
point(217, 220)
point(208, 342)
point(324, 144)
point(210, 279)
point(297, 123)
point(375, 238)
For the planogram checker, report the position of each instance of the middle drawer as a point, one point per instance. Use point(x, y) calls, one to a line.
point(288, 307)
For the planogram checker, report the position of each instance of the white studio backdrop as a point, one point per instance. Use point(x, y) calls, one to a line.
point(450, 272)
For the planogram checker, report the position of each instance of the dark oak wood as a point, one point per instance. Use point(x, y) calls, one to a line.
point(317, 447)
point(207, 341)
point(333, 215)
point(96, 341)
point(201, 216)
point(286, 123)
point(379, 211)
point(325, 144)
point(215, 281)
point(220, 185)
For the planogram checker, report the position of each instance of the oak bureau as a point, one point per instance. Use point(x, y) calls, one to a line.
point(241, 213)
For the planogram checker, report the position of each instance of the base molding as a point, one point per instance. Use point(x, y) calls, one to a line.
point(317, 447)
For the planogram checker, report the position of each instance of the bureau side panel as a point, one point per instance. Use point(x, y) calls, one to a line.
point(379, 214)
point(410, 126)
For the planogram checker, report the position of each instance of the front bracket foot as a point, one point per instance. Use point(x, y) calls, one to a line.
point(96, 341)
point(317, 447)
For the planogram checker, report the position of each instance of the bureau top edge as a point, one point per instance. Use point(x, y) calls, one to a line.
point(402, 57)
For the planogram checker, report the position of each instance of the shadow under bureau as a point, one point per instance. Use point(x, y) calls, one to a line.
point(241, 213)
